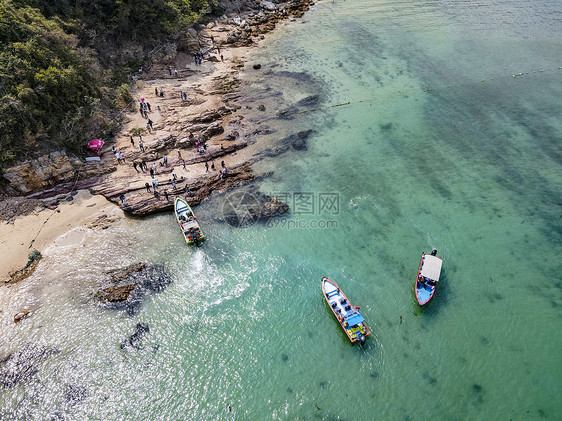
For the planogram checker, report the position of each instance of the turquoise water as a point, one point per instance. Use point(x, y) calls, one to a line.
point(440, 147)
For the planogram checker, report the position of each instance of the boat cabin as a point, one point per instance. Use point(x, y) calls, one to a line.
point(430, 270)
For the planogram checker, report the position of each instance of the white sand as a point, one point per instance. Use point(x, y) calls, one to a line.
point(17, 238)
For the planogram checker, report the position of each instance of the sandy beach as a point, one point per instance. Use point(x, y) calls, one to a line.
point(40, 229)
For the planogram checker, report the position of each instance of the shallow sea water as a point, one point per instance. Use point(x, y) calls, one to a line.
point(440, 147)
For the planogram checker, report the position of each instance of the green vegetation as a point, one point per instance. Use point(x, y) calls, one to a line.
point(61, 81)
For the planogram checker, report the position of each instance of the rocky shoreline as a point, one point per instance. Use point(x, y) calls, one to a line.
point(226, 118)
point(50, 180)
point(212, 116)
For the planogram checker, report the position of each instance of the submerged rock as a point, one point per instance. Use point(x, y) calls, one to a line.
point(136, 338)
point(244, 207)
point(288, 113)
point(129, 285)
point(308, 101)
point(22, 364)
point(75, 393)
point(297, 141)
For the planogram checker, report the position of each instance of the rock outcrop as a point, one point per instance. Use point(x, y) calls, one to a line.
point(140, 202)
point(50, 170)
point(32, 262)
point(18, 317)
point(128, 286)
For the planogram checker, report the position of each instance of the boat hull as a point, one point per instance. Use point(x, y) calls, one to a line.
point(424, 291)
point(344, 312)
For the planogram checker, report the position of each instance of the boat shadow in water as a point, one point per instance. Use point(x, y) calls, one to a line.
point(439, 300)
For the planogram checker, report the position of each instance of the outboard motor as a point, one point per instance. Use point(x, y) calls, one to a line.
point(362, 339)
point(434, 252)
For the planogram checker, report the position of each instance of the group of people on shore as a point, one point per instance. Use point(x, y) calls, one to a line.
point(198, 57)
point(120, 156)
point(144, 109)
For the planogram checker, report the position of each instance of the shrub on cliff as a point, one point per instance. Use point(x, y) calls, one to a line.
point(45, 83)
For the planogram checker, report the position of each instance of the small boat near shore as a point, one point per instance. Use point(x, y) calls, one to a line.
point(428, 276)
point(188, 222)
point(350, 319)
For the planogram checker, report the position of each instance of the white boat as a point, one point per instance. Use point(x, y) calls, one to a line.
point(188, 222)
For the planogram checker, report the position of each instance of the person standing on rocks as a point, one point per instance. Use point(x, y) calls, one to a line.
point(143, 165)
point(122, 156)
point(170, 70)
point(213, 165)
point(122, 197)
point(148, 128)
point(222, 58)
point(151, 173)
point(161, 92)
point(155, 168)
point(179, 155)
point(165, 161)
point(148, 105)
point(132, 141)
point(141, 145)
point(156, 91)
point(222, 164)
point(147, 186)
point(135, 166)
point(150, 122)
point(154, 184)
point(206, 167)
point(118, 157)
point(166, 195)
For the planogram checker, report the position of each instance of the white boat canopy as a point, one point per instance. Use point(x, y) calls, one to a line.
point(431, 267)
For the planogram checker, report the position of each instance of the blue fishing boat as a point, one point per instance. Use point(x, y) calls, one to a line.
point(428, 276)
point(188, 222)
point(350, 319)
